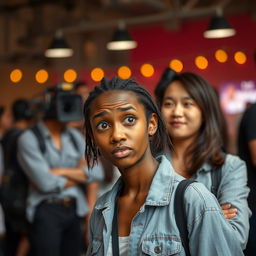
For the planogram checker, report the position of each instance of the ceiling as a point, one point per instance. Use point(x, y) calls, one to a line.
point(27, 26)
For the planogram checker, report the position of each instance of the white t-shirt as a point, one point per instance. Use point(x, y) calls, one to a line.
point(123, 246)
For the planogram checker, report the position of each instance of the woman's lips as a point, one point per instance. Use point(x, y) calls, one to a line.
point(177, 124)
point(121, 152)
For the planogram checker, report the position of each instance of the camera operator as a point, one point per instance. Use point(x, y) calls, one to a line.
point(56, 171)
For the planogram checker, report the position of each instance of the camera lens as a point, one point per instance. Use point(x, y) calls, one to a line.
point(67, 107)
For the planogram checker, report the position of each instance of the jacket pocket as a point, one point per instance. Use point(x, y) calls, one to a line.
point(161, 245)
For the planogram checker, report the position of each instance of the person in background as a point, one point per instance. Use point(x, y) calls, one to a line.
point(247, 151)
point(5, 120)
point(137, 215)
point(2, 131)
point(16, 238)
point(2, 226)
point(56, 200)
point(192, 113)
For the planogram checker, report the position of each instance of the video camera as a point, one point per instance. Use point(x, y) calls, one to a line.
point(62, 104)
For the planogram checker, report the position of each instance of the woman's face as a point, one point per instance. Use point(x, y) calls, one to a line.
point(120, 128)
point(181, 113)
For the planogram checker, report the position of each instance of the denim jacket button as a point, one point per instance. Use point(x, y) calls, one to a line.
point(157, 249)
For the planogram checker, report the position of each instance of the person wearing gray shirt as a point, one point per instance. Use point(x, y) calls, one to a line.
point(56, 199)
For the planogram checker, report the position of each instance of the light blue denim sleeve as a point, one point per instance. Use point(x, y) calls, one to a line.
point(209, 232)
point(94, 174)
point(233, 189)
point(35, 166)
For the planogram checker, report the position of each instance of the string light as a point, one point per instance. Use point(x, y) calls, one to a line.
point(176, 65)
point(221, 56)
point(97, 74)
point(147, 70)
point(41, 76)
point(124, 72)
point(70, 75)
point(240, 57)
point(16, 75)
point(201, 62)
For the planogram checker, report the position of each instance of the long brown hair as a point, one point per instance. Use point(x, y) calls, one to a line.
point(209, 144)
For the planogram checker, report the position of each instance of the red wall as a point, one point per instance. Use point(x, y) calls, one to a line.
point(158, 46)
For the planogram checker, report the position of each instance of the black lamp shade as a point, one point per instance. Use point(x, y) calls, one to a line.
point(219, 28)
point(58, 49)
point(121, 40)
point(59, 42)
point(121, 35)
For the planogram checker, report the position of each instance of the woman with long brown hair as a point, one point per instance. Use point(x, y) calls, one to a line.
point(195, 123)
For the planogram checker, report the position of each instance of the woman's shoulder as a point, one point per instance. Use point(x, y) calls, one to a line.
point(233, 163)
point(232, 159)
point(200, 198)
point(28, 137)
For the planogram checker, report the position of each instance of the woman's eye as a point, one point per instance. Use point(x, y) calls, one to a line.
point(130, 120)
point(168, 104)
point(102, 126)
point(188, 104)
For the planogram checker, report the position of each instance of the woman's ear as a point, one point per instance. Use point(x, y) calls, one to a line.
point(152, 124)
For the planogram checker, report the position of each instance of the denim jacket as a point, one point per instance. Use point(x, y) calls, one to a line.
point(153, 228)
point(232, 189)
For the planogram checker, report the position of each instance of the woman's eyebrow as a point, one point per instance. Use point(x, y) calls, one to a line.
point(126, 108)
point(188, 98)
point(184, 98)
point(103, 113)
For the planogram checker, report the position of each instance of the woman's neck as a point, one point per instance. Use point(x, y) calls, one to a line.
point(180, 158)
point(180, 148)
point(137, 180)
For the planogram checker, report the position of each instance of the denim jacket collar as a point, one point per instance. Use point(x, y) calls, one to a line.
point(107, 200)
point(162, 184)
point(163, 179)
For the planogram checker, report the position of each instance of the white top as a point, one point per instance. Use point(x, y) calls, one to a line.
point(123, 246)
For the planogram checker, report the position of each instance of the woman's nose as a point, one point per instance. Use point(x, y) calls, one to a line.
point(117, 133)
point(177, 110)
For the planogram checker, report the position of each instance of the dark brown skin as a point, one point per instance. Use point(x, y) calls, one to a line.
point(121, 132)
